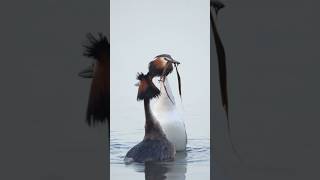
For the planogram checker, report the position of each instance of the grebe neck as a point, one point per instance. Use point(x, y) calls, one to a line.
point(152, 127)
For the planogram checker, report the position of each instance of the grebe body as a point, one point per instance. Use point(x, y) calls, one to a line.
point(155, 146)
point(169, 118)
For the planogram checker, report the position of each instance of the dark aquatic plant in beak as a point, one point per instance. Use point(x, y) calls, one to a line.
point(163, 78)
point(179, 79)
point(222, 65)
point(217, 5)
point(178, 76)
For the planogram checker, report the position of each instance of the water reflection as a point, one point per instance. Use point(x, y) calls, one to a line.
point(164, 170)
point(196, 158)
point(155, 171)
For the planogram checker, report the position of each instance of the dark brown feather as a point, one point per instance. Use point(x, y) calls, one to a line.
point(99, 100)
point(98, 109)
point(222, 66)
point(147, 90)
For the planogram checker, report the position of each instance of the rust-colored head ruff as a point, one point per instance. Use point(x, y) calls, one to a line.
point(98, 109)
point(147, 90)
point(161, 65)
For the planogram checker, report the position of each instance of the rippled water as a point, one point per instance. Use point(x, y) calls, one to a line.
point(192, 164)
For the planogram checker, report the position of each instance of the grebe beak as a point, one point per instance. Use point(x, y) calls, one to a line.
point(174, 61)
point(87, 72)
point(137, 84)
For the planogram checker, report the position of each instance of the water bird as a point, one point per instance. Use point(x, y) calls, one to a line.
point(155, 146)
point(98, 48)
point(165, 106)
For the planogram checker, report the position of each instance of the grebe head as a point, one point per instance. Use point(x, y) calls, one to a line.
point(162, 65)
point(147, 90)
point(97, 48)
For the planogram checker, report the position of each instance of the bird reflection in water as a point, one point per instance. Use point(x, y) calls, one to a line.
point(175, 170)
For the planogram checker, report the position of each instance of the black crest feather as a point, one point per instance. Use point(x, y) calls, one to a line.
point(96, 46)
point(147, 90)
point(141, 76)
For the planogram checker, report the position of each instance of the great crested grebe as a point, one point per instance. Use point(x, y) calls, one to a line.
point(98, 109)
point(155, 146)
point(165, 108)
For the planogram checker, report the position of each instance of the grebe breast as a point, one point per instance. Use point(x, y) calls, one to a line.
point(169, 118)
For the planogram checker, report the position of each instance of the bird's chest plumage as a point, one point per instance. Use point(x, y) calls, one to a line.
point(171, 123)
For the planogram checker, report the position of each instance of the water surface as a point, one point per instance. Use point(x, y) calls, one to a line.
point(194, 163)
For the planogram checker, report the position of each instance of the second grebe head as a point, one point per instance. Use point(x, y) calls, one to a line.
point(147, 90)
